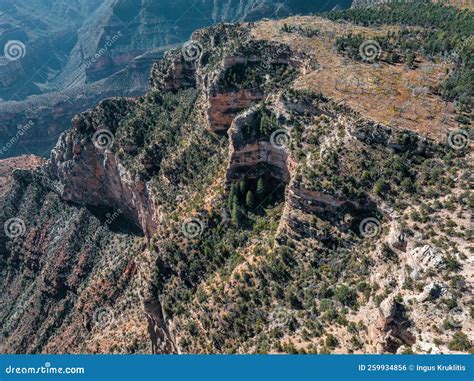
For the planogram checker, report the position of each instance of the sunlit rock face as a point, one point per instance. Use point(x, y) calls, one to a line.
point(103, 49)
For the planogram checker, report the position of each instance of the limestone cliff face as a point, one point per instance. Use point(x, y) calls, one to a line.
point(91, 175)
point(94, 176)
point(173, 72)
point(394, 326)
point(250, 155)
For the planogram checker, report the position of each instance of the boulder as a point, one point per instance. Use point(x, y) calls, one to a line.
point(396, 237)
point(427, 257)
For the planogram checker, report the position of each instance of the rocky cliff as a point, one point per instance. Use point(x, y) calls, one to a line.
point(34, 125)
point(234, 209)
point(96, 50)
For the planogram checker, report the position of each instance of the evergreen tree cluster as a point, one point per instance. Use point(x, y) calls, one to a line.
point(305, 31)
point(265, 124)
point(248, 196)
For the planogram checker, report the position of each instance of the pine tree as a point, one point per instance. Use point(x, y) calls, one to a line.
point(232, 194)
point(250, 201)
point(236, 213)
point(263, 124)
point(260, 189)
point(243, 187)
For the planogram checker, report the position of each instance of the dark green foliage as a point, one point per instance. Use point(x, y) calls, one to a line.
point(421, 12)
point(237, 216)
point(261, 189)
point(346, 295)
point(448, 33)
point(460, 342)
point(460, 86)
point(253, 196)
point(300, 30)
point(250, 201)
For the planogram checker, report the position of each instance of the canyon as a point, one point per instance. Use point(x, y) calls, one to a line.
point(96, 50)
point(242, 206)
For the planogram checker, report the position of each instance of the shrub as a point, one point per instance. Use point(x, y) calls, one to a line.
point(460, 342)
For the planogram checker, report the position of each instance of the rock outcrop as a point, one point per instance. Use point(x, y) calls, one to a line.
point(395, 327)
point(92, 175)
point(396, 237)
point(428, 257)
point(77, 155)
